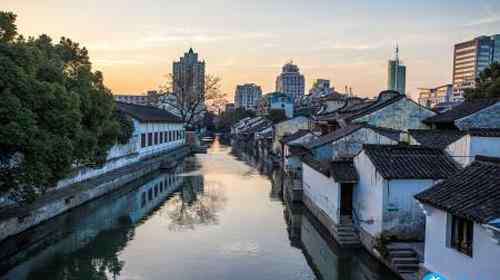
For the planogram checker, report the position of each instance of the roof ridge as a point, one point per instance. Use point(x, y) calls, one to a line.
point(488, 159)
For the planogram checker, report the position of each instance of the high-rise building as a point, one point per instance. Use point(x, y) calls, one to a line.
point(430, 97)
point(189, 75)
point(247, 96)
point(291, 82)
point(396, 78)
point(471, 58)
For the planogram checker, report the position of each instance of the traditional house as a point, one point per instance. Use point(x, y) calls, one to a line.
point(483, 113)
point(475, 142)
point(293, 147)
point(276, 101)
point(390, 110)
point(286, 128)
point(389, 177)
point(462, 239)
point(327, 193)
point(155, 131)
point(346, 142)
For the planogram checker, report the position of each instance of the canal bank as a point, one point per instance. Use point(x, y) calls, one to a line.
point(223, 219)
point(16, 219)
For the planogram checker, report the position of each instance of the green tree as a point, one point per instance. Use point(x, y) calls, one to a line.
point(487, 85)
point(55, 113)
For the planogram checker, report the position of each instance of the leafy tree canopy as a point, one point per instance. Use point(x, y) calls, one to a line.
point(487, 85)
point(277, 115)
point(55, 112)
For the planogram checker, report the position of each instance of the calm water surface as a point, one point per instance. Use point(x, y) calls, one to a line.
point(215, 217)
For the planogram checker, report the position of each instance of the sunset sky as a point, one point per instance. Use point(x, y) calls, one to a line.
point(348, 42)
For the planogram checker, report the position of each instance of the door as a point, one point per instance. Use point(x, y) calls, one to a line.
point(346, 199)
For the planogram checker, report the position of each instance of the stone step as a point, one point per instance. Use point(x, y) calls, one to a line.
point(406, 260)
point(406, 267)
point(402, 254)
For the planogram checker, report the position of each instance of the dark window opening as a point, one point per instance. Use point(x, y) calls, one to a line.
point(143, 199)
point(150, 139)
point(143, 140)
point(150, 194)
point(156, 138)
point(462, 232)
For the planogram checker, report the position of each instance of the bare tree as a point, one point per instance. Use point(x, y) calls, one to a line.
point(189, 99)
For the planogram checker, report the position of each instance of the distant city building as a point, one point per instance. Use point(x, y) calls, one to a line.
point(247, 96)
point(471, 58)
point(321, 88)
point(150, 98)
point(189, 74)
point(291, 82)
point(276, 100)
point(396, 78)
point(430, 97)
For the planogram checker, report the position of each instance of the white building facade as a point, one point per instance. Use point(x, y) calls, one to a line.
point(291, 82)
point(247, 96)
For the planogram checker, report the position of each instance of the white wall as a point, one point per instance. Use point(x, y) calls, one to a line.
point(322, 191)
point(484, 263)
point(466, 148)
point(368, 195)
point(408, 221)
point(350, 145)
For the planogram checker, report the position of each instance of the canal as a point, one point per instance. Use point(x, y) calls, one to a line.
point(216, 216)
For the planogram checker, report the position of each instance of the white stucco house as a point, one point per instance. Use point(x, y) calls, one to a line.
point(288, 127)
point(293, 147)
point(462, 237)
point(155, 131)
point(475, 142)
point(389, 177)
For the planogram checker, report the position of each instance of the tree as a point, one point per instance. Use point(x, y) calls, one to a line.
point(277, 115)
point(487, 85)
point(181, 96)
point(229, 118)
point(55, 113)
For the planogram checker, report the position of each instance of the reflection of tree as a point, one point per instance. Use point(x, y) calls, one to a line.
point(96, 260)
point(195, 205)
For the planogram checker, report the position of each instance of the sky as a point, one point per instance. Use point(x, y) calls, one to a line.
point(348, 42)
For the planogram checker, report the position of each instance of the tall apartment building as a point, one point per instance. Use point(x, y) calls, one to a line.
point(189, 75)
point(247, 96)
point(291, 82)
point(396, 77)
point(471, 58)
point(430, 97)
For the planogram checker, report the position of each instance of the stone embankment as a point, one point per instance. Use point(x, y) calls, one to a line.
point(16, 219)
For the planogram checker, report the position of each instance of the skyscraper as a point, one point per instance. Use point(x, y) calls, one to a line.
point(396, 78)
point(291, 82)
point(247, 96)
point(189, 75)
point(471, 58)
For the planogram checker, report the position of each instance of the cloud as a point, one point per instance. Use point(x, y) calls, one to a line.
point(482, 21)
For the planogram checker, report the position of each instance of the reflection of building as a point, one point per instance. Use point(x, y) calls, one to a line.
point(189, 75)
point(471, 58)
point(330, 262)
point(247, 96)
point(96, 231)
point(291, 82)
point(430, 97)
point(396, 78)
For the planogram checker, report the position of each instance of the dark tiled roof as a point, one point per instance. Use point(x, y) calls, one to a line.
point(147, 113)
point(410, 162)
point(473, 193)
point(298, 150)
point(357, 110)
point(294, 136)
point(435, 138)
point(484, 132)
point(349, 129)
point(322, 167)
point(335, 135)
point(460, 111)
point(343, 171)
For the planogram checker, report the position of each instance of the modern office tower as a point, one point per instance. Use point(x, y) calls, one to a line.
point(247, 96)
point(396, 78)
point(189, 75)
point(430, 97)
point(471, 58)
point(291, 82)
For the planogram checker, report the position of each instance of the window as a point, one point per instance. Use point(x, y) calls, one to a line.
point(143, 199)
point(161, 137)
point(143, 140)
point(156, 138)
point(156, 190)
point(461, 235)
point(150, 194)
point(150, 139)
point(170, 136)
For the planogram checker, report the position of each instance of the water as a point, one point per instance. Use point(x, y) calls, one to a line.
point(214, 217)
